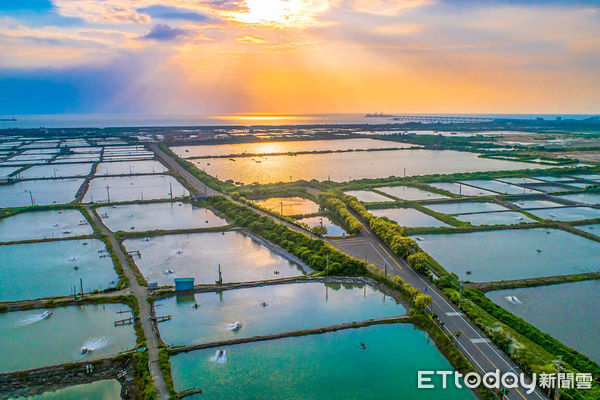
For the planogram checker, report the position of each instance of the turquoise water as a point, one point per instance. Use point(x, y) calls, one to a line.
point(198, 256)
point(594, 229)
point(319, 305)
point(34, 270)
point(457, 188)
point(408, 217)
point(44, 192)
point(512, 254)
point(587, 198)
point(495, 218)
point(56, 171)
point(410, 193)
point(366, 196)
point(130, 188)
point(567, 311)
point(332, 228)
point(130, 168)
point(499, 187)
point(554, 178)
point(591, 177)
point(567, 213)
point(99, 390)
point(285, 147)
point(465, 207)
point(6, 171)
point(43, 225)
point(289, 205)
point(341, 167)
point(328, 366)
point(26, 335)
point(146, 217)
point(518, 181)
point(553, 188)
point(531, 204)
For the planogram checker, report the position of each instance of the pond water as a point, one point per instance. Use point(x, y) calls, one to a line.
point(567, 213)
point(328, 366)
point(495, 218)
point(147, 217)
point(512, 254)
point(553, 188)
point(594, 229)
point(332, 228)
point(531, 204)
point(518, 181)
point(319, 305)
point(590, 177)
point(366, 196)
point(347, 166)
point(498, 187)
point(99, 390)
point(285, 147)
point(43, 192)
point(6, 171)
point(565, 311)
point(410, 193)
point(465, 207)
point(586, 198)
point(130, 188)
point(75, 158)
point(464, 190)
point(198, 256)
point(44, 225)
point(408, 217)
point(34, 270)
point(289, 205)
point(130, 168)
point(26, 335)
point(56, 171)
point(554, 178)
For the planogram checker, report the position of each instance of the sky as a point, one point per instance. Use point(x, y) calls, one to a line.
point(193, 57)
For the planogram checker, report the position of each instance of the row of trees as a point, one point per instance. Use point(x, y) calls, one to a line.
point(331, 202)
point(314, 252)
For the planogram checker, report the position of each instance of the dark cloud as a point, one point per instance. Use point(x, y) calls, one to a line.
point(166, 12)
point(164, 32)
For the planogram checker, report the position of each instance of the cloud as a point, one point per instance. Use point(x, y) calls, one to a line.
point(166, 12)
point(164, 32)
point(251, 39)
point(387, 7)
point(399, 29)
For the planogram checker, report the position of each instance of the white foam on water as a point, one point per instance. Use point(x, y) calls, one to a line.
point(33, 319)
point(220, 357)
point(94, 344)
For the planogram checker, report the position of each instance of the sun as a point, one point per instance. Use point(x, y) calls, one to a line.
point(282, 13)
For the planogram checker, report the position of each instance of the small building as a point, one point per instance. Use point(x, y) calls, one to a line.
point(183, 284)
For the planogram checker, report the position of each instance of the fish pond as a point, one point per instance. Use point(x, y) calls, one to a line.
point(410, 193)
point(131, 188)
point(366, 196)
point(532, 204)
point(44, 225)
point(465, 207)
point(198, 256)
point(130, 168)
point(567, 213)
point(348, 166)
point(153, 216)
point(566, 311)
point(459, 188)
point(594, 229)
point(285, 147)
point(332, 228)
point(319, 304)
point(26, 335)
point(289, 205)
point(35, 270)
point(498, 187)
point(328, 366)
point(495, 218)
point(56, 171)
point(408, 217)
point(39, 192)
point(586, 198)
point(512, 254)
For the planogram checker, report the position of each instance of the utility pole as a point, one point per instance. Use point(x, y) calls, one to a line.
point(107, 194)
point(171, 190)
point(385, 269)
point(460, 288)
point(558, 368)
point(405, 172)
point(31, 198)
point(281, 204)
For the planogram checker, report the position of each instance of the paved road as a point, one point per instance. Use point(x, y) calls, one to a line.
point(475, 345)
point(140, 292)
point(483, 354)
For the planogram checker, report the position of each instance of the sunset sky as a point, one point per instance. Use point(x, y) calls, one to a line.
point(299, 56)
